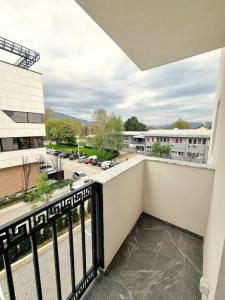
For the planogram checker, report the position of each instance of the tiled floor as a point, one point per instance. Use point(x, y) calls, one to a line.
point(156, 262)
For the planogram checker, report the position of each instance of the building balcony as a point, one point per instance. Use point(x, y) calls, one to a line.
point(142, 242)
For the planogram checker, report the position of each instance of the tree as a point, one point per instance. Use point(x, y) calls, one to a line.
point(181, 124)
point(49, 113)
point(26, 172)
point(43, 190)
point(100, 117)
point(62, 130)
point(110, 135)
point(132, 124)
point(159, 150)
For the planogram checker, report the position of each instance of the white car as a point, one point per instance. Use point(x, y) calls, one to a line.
point(82, 158)
point(81, 175)
point(107, 164)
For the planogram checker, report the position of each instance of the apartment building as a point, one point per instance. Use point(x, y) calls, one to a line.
point(21, 126)
point(186, 144)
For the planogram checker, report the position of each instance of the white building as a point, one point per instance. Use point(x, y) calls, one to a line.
point(21, 125)
point(186, 144)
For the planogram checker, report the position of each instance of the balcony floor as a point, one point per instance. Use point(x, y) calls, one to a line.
point(156, 262)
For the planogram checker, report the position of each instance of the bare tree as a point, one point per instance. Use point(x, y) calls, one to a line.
point(57, 163)
point(26, 172)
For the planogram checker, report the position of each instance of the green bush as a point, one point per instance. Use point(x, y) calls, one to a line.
point(47, 233)
point(24, 246)
point(13, 254)
point(75, 215)
point(59, 224)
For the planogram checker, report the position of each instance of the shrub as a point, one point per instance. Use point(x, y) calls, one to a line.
point(13, 254)
point(24, 246)
point(47, 233)
point(59, 224)
point(75, 215)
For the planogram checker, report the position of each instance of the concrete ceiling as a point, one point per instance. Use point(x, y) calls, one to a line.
point(157, 32)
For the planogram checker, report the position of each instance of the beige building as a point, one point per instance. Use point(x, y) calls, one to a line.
point(21, 126)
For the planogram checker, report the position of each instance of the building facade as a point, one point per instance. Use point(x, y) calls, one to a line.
point(21, 126)
point(186, 144)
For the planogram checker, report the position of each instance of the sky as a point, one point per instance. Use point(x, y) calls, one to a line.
point(83, 69)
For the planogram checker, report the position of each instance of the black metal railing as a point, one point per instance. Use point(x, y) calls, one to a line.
point(48, 216)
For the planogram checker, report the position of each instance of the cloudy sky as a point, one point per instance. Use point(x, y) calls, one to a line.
point(83, 69)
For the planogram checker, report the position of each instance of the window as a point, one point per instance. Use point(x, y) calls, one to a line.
point(164, 140)
point(24, 117)
point(176, 141)
point(199, 141)
point(17, 116)
point(20, 143)
point(35, 118)
point(190, 141)
point(204, 141)
point(194, 141)
point(168, 140)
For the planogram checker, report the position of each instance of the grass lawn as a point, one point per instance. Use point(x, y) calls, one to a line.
point(107, 155)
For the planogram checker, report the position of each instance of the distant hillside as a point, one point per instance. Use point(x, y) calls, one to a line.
point(193, 124)
point(57, 115)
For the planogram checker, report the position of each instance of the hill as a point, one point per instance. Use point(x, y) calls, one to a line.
point(193, 124)
point(57, 115)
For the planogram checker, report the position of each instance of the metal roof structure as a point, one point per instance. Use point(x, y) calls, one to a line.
point(27, 58)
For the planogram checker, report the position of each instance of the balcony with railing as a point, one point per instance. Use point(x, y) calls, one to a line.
point(135, 232)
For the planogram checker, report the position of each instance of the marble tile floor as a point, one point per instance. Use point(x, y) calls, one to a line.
point(156, 262)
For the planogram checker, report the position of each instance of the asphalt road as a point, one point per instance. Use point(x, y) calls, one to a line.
point(24, 281)
point(71, 166)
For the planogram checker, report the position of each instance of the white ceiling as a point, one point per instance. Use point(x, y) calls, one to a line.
point(157, 32)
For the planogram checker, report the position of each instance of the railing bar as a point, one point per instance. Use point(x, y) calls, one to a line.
point(72, 264)
point(82, 221)
point(36, 266)
point(56, 260)
point(9, 276)
point(93, 228)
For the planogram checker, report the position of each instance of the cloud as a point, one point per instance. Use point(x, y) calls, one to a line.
point(84, 69)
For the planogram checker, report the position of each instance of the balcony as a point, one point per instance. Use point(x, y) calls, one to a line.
point(144, 236)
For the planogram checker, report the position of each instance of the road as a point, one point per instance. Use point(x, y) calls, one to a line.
point(70, 166)
point(9, 213)
point(24, 275)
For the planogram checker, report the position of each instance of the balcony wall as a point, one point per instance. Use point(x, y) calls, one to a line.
point(176, 192)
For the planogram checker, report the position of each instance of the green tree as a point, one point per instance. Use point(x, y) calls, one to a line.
point(132, 124)
point(110, 135)
point(43, 190)
point(62, 130)
point(181, 124)
point(159, 150)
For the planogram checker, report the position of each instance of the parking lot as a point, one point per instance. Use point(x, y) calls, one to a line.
point(71, 166)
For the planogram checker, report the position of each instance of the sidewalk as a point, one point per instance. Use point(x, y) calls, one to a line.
point(14, 211)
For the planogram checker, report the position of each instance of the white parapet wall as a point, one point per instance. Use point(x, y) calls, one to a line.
point(176, 192)
point(179, 193)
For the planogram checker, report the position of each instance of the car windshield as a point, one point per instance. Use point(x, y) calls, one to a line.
point(82, 175)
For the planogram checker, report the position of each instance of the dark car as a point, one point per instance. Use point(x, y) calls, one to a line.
point(99, 162)
point(56, 152)
point(94, 162)
point(73, 156)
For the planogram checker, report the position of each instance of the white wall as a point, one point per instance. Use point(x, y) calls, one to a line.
point(122, 206)
point(215, 233)
point(179, 193)
point(20, 90)
point(176, 192)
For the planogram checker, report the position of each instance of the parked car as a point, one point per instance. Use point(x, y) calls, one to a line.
point(80, 175)
point(56, 152)
point(82, 158)
point(99, 162)
point(64, 155)
point(107, 164)
point(49, 151)
point(44, 166)
point(94, 162)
